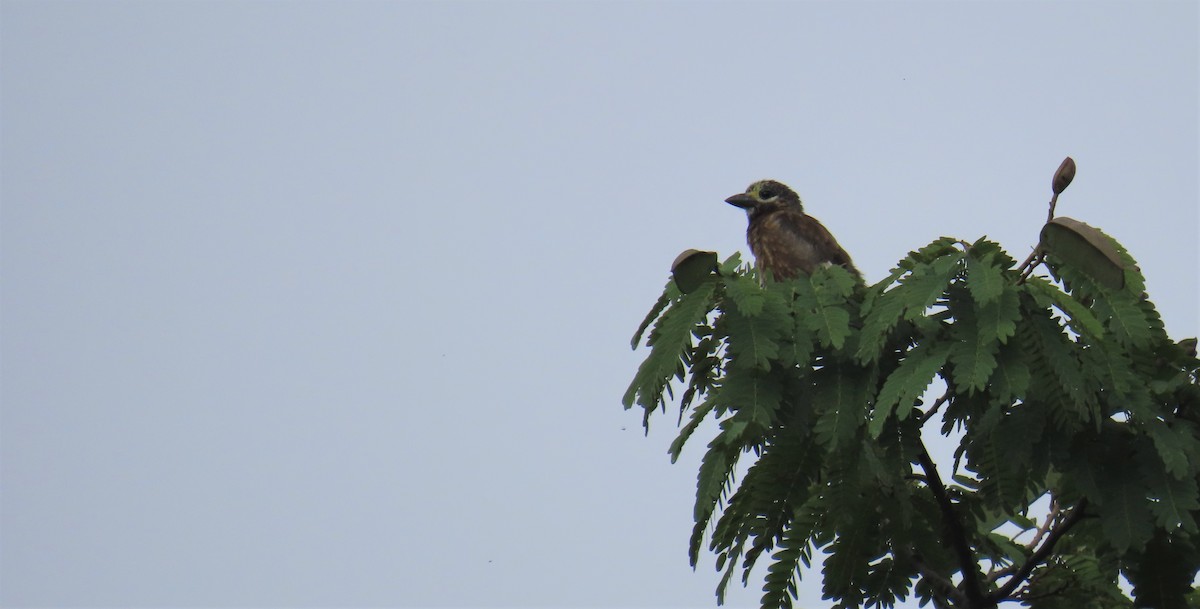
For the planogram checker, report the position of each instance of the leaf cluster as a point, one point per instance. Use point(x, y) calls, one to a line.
point(1056, 386)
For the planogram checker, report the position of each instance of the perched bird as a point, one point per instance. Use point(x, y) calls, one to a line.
point(784, 240)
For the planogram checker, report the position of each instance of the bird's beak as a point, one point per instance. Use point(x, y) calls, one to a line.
point(741, 200)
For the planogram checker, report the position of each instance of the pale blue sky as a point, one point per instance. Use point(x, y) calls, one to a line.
point(328, 304)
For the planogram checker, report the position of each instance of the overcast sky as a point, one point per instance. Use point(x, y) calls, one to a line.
point(329, 304)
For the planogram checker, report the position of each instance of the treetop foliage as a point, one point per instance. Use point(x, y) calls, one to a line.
point(1063, 386)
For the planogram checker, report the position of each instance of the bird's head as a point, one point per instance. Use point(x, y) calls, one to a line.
point(765, 196)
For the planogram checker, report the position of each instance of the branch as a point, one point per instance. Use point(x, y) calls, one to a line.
point(954, 529)
point(1030, 264)
point(1053, 203)
point(936, 580)
point(1041, 553)
point(1050, 518)
point(933, 409)
point(1062, 179)
point(1024, 266)
point(1005, 572)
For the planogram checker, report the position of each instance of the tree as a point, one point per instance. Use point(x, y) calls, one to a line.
point(1062, 388)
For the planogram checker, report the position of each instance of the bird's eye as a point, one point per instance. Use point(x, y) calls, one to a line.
point(766, 193)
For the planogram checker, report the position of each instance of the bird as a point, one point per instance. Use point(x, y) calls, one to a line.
point(785, 241)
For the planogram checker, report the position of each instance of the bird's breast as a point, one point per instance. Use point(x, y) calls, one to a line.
point(779, 248)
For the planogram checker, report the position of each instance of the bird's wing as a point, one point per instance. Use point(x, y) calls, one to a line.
point(806, 228)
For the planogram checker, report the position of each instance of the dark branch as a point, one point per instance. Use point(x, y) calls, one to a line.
point(936, 405)
point(1040, 554)
point(937, 581)
point(1005, 572)
point(954, 530)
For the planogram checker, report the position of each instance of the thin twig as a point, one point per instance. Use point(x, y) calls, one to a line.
point(1053, 202)
point(1025, 265)
point(997, 574)
point(1035, 257)
point(1040, 554)
point(1050, 518)
point(933, 409)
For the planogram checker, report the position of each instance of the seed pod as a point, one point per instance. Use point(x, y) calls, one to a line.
point(1189, 346)
point(692, 268)
point(1085, 248)
point(1064, 175)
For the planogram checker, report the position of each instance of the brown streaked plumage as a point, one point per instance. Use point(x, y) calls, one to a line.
point(784, 240)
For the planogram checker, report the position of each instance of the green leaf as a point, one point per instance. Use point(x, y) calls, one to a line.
point(745, 294)
point(834, 283)
point(697, 417)
point(670, 293)
point(942, 246)
point(716, 468)
point(1076, 580)
point(974, 363)
point(973, 354)
point(828, 318)
point(888, 582)
point(1171, 446)
point(780, 586)
point(1124, 512)
point(671, 335)
point(731, 265)
point(705, 364)
point(846, 565)
point(907, 383)
point(1010, 550)
point(1125, 319)
point(883, 316)
point(1084, 471)
point(1174, 501)
point(1001, 453)
point(1011, 377)
point(1081, 318)
point(984, 279)
point(841, 398)
point(998, 318)
point(753, 397)
point(754, 341)
point(1054, 354)
point(798, 350)
point(831, 325)
point(1162, 575)
point(983, 248)
point(784, 573)
point(927, 283)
